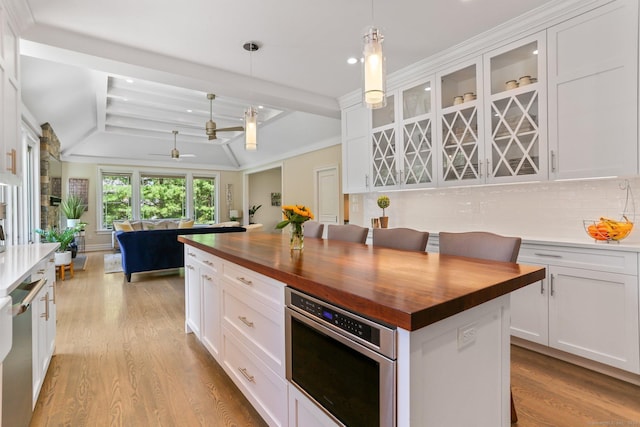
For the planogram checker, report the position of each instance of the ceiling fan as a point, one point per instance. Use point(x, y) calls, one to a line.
point(175, 154)
point(211, 128)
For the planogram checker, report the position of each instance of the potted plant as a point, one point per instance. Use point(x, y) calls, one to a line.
point(73, 208)
point(252, 211)
point(383, 203)
point(65, 238)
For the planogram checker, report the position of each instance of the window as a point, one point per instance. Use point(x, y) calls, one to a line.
point(162, 197)
point(116, 198)
point(204, 200)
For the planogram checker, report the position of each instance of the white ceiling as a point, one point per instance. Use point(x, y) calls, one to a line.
point(78, 55)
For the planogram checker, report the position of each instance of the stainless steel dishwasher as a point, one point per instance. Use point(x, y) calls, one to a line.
point(17, 375)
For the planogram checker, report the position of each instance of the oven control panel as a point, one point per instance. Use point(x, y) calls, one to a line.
point(345, 321)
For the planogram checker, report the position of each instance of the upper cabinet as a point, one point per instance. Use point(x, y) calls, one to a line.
point(402, 149)
point(515, 111)
point(593, 93)
point(356, 176)
point(558, 103)
point(10, 96)
point(459, 125)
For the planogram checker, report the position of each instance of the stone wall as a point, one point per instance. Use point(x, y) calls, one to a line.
point(49, 153)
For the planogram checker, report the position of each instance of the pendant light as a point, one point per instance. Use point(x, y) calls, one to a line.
point(251, 115)
point(374, 68)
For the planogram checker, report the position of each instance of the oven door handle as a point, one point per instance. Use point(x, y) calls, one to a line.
point(22, 306)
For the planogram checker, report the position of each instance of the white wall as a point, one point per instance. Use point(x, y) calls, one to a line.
point(554, 210)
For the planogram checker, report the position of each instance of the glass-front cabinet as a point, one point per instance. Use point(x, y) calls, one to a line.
point(515, 111)
point(460, 125)
point(402, 139)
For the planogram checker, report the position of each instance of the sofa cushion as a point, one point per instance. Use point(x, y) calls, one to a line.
point(122, 226)
point(186, 223)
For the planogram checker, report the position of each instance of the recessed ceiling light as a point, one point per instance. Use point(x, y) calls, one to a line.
point(260, 106)
point(428, 88)
point(129, 80)
point(189, 111)
point(352, 61)
point(535, 52)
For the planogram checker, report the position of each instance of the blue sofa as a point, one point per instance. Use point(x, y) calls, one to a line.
point(148, 250)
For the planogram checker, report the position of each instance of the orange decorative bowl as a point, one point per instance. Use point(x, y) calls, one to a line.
point(607, 229)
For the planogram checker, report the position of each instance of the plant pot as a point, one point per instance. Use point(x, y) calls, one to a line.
point(384, 221)
point(72, 223)
point(62, 258)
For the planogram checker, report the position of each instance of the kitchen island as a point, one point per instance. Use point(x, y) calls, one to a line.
point(451, 315)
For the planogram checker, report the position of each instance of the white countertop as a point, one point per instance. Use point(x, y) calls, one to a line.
point(16, 262)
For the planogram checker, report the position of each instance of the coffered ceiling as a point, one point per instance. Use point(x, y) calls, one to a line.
point(115, 78)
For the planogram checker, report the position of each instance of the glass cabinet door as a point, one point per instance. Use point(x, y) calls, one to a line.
point(384, 147)
point(515, 121)
point(417, 136)
point(461, 149)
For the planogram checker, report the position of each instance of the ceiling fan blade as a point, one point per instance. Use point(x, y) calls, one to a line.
point(187, 155)
point(231, 129)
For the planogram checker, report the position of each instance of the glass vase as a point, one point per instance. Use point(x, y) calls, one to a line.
point(296, 241)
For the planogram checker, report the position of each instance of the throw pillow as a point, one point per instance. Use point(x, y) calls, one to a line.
point(186, 223)
point(122, 226)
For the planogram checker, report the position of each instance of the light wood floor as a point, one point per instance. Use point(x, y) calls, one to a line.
point(123, 359)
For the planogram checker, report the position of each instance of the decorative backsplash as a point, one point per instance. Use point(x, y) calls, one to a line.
point(545, 210)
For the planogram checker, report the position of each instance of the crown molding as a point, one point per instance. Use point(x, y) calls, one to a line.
point(529, 23)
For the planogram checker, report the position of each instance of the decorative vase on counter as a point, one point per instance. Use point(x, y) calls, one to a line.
point(384, 222)
point(296, 241)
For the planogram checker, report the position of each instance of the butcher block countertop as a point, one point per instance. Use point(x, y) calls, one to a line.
point(410, 290)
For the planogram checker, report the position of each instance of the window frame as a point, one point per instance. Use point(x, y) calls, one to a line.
point(138, 172)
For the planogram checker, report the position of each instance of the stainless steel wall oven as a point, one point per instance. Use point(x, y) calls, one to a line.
point(344, 362)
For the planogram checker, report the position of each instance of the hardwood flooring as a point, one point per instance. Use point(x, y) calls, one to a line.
point(123, 359)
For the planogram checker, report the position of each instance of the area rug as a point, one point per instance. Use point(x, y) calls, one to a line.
point(112, 263)
point(79, 262)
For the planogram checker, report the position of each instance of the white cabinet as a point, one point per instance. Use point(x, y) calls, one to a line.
point(515, 111)
point(460, 125)
point(238, 315)
point(402, 139)
point(587, 306)
point(43, 325)
point(10, 96)
point(253, 339)
point(203, 298)
point(355, 150)
point(193, 293)
point(304, 413)
point(593, 93)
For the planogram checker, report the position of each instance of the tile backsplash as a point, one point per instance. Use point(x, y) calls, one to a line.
point(541, 210)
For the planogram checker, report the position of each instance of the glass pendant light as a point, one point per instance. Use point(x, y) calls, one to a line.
point(251, 115)
point(374, 68)
point(251, 129)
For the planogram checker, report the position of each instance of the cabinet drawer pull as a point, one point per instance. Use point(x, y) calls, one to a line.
point(209, 263)
point(53, 291)
point(245, 281)
point(547, 255)
point(552, 291)
point(553, 161)
point(45, 298)
point(207, 277)
point(190, 267)
point(191, 254)
point(246, 321)
point(249, 378)
point(542, 287)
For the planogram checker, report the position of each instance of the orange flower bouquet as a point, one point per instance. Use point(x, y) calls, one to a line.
point(296, 215)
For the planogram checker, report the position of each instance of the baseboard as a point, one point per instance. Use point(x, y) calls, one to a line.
point(98, 247)
point(579, 361)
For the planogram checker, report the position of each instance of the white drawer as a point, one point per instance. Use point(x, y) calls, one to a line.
point(205, 258)
point(262, 387)
point(263, 288)
point(590, 259)
point(261, 325)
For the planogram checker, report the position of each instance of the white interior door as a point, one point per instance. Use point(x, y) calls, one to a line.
point(327, 195)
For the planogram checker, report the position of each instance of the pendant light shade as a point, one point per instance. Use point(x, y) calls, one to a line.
point(251, 129)
point(374, 70)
